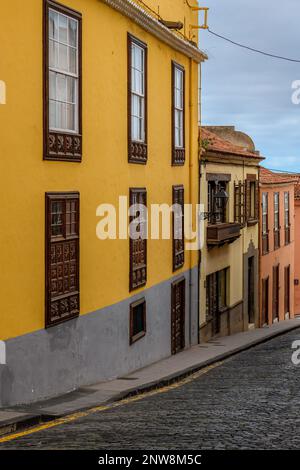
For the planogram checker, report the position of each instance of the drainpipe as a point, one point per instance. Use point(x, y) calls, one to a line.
point(199, 176)
point(191, 167)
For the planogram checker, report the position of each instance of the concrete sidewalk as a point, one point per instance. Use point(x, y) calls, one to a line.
point(155, 375)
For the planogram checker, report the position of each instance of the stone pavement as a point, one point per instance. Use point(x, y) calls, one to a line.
point(155, 375)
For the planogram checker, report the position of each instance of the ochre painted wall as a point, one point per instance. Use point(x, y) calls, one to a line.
point(284, 256)
point(104, 173)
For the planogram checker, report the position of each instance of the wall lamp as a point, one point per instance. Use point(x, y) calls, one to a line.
point(220, 200)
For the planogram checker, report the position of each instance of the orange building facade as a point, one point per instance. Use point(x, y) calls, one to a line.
point(277, 247)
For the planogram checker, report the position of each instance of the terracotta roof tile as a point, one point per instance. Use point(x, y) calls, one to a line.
point(215, 143)
point(270, 177)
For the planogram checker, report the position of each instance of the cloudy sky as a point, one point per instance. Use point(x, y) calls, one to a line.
point(250, 91)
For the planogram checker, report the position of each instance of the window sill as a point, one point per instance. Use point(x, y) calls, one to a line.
point(137, 337)
point(252, 222)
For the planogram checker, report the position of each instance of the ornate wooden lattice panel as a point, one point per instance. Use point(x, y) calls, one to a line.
point(138, 243)
point(178, 316)
point(178, 227)
point(62, 257)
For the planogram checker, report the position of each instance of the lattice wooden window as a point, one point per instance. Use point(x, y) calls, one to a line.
point(62, 257)
point(252, 199)
point(239, 202)
point(138, 238)
point(178, 227)
point(178, 114)
point(137, 101)
point(62, 83)
point(137, 320)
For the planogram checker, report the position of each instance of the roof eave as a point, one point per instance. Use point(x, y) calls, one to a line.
point(150, 24)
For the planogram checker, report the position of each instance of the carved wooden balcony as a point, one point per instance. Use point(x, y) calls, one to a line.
point(221, 234)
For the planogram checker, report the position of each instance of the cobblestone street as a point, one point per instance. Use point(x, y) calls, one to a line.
point(249, 402)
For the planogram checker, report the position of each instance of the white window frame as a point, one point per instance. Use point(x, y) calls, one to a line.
point(265, 213)
point(138, 95)
point(63, 73)
point(276, 212)
point(178, 107)
point(287, 209)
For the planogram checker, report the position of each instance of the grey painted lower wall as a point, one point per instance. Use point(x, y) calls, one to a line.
point(94, 347)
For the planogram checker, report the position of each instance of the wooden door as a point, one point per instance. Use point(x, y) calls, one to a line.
point(251, 313)
point(265, 301)
point(287, 287)
point(276, 292)
point(178, 316)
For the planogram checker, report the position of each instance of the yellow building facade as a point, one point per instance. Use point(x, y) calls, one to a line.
point(74, 306)
point(229, 301)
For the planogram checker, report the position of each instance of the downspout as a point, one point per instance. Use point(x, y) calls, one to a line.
point(199, 176)
point(260, 324)
point(190, 186)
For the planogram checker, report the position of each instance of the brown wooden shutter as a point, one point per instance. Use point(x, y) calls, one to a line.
point(178, 243)
point(237, 213)
point(256, 200)
point(138, 247)
point(62, 257)
point(248, 200)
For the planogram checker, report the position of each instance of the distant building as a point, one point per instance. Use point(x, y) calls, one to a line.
point(277, 246)
point(230, 256)
point(297, 248)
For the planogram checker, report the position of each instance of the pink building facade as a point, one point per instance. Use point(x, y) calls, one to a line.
point(277, 247)
point(297, 251)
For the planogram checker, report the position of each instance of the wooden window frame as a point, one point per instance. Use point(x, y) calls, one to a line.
point(213, 217)
point(265, 235)
point(137, 151)
point(277, 231)
point(212, 282)
point(251, 180)
point(137, 274)
point(61, 146)
point(178, 153)
point(71, 299)
point(287, 227)
point(239, 203)
point(178, 254)
point(134, 338)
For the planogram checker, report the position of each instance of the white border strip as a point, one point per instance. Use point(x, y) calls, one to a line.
point(2, 353)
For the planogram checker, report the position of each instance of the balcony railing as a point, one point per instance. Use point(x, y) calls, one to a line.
point(221, 234)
